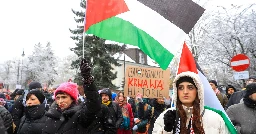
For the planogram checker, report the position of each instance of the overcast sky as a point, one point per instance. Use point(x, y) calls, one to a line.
point(24, 23)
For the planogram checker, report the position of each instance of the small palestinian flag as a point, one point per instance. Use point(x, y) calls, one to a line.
point(157, 27)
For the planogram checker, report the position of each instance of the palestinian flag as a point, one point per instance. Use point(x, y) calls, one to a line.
point(211, 101)
point(157, 27)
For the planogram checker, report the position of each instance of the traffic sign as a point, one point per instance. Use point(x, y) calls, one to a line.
point(240, 62)
point(241, 75)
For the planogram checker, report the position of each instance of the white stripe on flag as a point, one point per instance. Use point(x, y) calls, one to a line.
point(240, 62)
point(210, 98)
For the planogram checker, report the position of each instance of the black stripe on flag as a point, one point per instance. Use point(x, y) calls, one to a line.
point(183, 13)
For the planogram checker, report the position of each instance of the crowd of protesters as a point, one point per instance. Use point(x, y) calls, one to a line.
point(72, 109)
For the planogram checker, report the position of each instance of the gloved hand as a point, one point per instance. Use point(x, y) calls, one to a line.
point(86, 72)
point(167, 101)
point(169, 120)
point(135, 128)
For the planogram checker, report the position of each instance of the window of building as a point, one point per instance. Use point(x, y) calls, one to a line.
point(141, 58)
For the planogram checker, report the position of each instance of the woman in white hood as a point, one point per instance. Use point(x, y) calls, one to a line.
point(188, 115)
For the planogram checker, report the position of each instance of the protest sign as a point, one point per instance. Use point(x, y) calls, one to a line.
point(150, 82)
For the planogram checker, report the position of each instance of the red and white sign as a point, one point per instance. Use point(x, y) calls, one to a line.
point(240, 62)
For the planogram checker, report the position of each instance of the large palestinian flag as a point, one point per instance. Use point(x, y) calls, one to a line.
point(211, 101)
point(157, 27)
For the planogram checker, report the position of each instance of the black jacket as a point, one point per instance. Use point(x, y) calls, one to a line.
point(2, 127)
point(6, 117)
point(33, 121)
point(157, 109)
point(116, 114)
point(77, 118)
point(236, 97)
point(131, 101)
point(18, 111)
point(104, 123)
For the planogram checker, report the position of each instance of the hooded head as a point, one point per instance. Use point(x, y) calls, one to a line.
point(107, 92)
point(192, 78)
point(187, 68)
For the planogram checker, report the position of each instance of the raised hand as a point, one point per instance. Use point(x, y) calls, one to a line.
point(86, 72)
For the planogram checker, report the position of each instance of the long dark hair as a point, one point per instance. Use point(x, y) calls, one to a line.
point(197, 118)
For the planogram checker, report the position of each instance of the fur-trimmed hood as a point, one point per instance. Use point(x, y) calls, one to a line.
point(199, 85)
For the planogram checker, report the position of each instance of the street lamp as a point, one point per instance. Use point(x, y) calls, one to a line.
point(22, 55)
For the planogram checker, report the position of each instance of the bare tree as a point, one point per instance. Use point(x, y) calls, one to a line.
point(223, 33)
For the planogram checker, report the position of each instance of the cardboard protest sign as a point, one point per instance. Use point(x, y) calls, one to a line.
point(150, 82)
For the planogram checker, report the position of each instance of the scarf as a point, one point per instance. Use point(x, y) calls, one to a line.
point(126, 117)
point(107, 103)
point(34, 112)
point(189, 122)
point(217, 91)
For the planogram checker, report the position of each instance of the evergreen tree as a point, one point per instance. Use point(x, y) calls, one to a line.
point(97, 51)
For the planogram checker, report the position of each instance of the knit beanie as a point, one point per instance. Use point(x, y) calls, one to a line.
point(250, 89)
point(39, 94)
point(69, 88)
point(214, 82)
point(34, 85)
point(185, 79)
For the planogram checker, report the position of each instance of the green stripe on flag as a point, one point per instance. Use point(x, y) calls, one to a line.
point(119, 30)
point(229, 125)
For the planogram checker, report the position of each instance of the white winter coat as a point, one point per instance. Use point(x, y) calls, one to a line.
point(212, 123)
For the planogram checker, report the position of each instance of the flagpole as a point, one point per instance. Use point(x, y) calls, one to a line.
point(83, 45)
point(84, 27)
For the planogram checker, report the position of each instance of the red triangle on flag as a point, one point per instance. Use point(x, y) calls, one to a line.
point(99, 10)
point(187, 62)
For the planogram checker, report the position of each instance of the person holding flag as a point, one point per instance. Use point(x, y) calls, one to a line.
point(189, 114)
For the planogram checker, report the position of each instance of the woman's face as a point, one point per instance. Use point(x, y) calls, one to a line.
point(121, 97)
point(63, 101)
point(187, 93)
point(32, 100)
